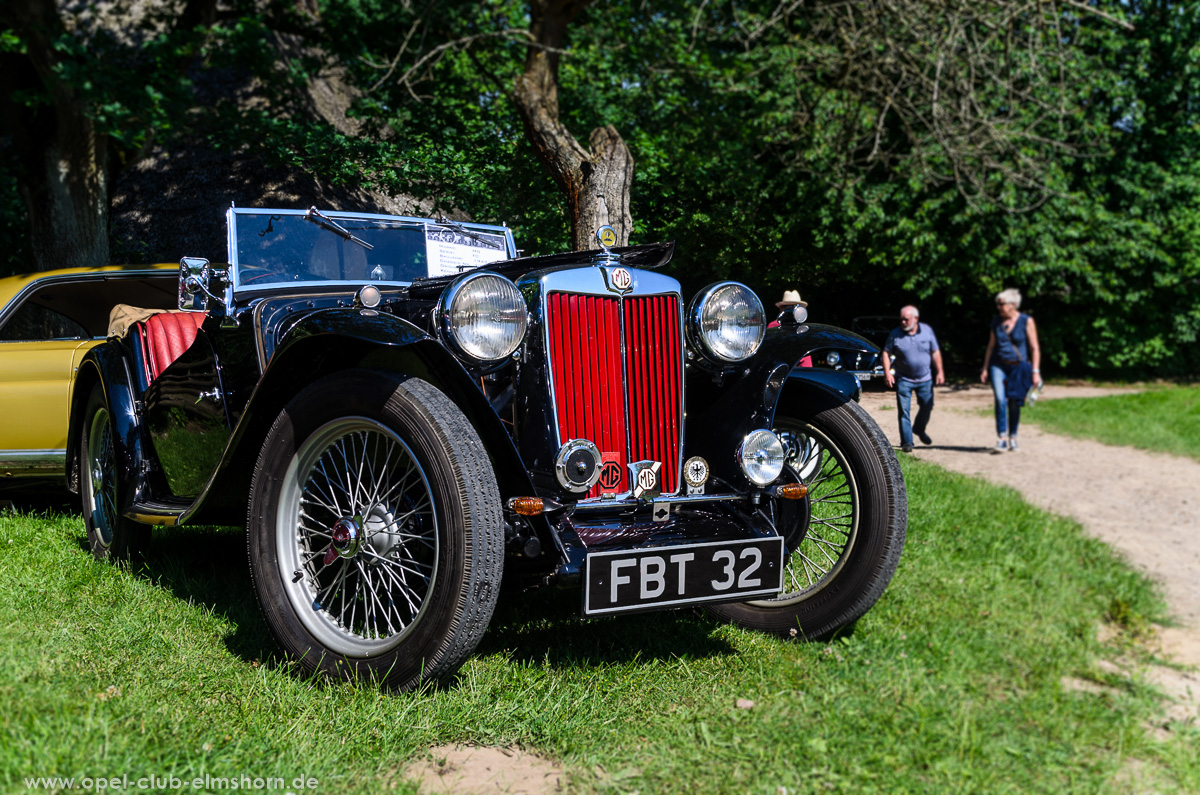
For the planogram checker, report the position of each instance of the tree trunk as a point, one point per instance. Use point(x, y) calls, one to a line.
point(62, 159)
point(596, 181)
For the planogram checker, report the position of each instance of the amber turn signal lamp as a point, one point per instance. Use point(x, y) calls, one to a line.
point(527, 506)
point(792, 491)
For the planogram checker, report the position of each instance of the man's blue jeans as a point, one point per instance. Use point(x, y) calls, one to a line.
point(904, 392)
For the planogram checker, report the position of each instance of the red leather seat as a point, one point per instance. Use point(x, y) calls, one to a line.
point(165, 336)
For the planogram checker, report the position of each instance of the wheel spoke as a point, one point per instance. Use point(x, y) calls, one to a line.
point(358, 473)
point(829, 537)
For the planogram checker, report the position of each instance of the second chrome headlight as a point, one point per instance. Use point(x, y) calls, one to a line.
point(761, 456)
point(727, 321)
point(483, 316)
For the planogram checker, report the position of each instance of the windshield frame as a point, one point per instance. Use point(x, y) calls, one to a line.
point(231, 223)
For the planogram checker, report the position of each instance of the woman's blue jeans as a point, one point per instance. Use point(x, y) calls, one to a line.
point(1008, 412)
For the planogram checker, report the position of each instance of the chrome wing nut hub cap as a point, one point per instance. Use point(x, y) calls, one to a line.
point(347, 535)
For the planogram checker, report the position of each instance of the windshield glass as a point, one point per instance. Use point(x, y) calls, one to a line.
point(273, 247)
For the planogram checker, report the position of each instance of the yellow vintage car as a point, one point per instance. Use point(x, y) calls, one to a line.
point(48, 321)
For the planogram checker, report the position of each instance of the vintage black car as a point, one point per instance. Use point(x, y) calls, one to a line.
point(405, 414)
point(851, 352)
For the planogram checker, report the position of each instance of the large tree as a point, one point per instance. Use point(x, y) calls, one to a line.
point(82, 93)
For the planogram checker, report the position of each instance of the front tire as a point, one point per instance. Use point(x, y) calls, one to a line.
point(840, 562)
point(110, 535)
point(375, 530)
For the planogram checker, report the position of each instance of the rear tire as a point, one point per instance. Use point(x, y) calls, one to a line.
point(375, 530)
point(110, 535)
point(838, 564)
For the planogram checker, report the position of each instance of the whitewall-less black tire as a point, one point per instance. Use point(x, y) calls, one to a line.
point(110, 535)
point(840, 562)
point(375, 530)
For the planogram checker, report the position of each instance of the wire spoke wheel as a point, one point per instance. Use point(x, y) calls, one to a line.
point(360, 529)
point(110, 535)
point(101, 494)
point(844, 540)
point(376, 532)
point(818, 553)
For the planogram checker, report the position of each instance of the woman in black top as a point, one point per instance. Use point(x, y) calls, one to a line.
point(1012, 346)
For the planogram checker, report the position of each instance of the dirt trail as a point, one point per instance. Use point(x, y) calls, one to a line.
point(1145, 505)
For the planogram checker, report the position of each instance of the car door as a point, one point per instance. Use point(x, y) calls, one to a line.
point(38, 353)
point(189, 426)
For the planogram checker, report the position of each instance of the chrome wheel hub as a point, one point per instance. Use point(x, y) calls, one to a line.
point(346, 539)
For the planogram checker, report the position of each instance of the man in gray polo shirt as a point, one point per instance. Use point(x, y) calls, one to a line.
point(912, 351)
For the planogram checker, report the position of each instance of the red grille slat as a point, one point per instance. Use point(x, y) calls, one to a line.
point(595, 390)
point(654, 384)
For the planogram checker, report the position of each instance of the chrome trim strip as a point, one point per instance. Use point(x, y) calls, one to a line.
point(599, 505)
point(32, 463)
point(594, 280)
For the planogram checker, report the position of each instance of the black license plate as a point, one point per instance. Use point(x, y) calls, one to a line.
point(659, 577)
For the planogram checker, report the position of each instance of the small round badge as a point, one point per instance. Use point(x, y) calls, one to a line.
point(607, 236)
point(695, 471)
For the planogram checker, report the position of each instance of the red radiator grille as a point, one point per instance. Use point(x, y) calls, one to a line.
point(652, 348)
point(585, 359)
point(590, 383)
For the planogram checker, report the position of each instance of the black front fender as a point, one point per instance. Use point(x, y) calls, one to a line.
point(323, 343)
point(725, 406)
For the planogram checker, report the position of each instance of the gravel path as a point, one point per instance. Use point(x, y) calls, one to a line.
point(1145, 505)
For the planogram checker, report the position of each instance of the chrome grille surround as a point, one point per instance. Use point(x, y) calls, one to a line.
point(599, 316)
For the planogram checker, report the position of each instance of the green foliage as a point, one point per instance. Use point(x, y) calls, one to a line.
point(751, 147)
point(724, 168)
point(14, 232)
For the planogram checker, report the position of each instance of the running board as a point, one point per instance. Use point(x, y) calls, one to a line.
point(164, 514)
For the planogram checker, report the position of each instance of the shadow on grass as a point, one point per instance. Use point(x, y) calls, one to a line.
point(544, 626)
point(208, 566)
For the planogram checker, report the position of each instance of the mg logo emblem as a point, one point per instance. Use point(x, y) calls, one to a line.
point(647, 479)
point(620, 279)
point(610, 473)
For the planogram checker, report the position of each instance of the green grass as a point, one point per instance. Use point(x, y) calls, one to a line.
point(951, 684)
point(1165, 419)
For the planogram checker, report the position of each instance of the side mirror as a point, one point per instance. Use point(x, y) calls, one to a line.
point(202, 288)
point(194, 274)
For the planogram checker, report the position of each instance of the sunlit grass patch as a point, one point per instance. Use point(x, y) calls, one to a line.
point(1166, 419)
point(953, 682)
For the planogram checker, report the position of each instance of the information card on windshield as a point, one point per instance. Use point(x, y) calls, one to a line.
point(452, 251)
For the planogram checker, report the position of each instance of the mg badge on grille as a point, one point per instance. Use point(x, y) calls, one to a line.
point(647, 479)
point(619, 280)
point(610, 473)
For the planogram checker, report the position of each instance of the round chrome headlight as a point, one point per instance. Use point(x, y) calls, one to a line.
point(483, 316)
point(727, 320)
point(833, 359)
point(761, 456)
